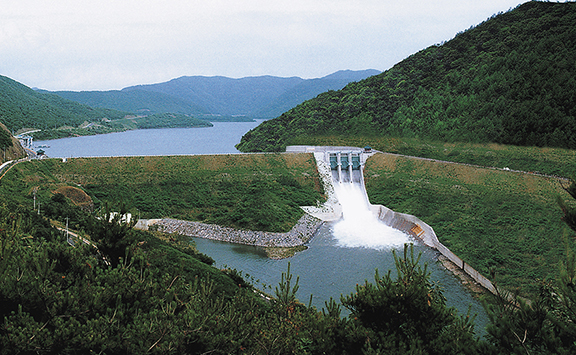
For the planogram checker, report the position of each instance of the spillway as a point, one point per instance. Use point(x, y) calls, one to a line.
point(359, 227)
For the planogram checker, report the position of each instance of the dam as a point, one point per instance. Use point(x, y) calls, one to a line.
point(342, 166)
point(346, 163)
point(357, 222)
point(327, 269)
point(356, 238)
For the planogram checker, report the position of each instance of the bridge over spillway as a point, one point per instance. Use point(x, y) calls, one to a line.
point(346, 163)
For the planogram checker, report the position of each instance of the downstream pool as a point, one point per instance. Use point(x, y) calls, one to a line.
point(327, 269)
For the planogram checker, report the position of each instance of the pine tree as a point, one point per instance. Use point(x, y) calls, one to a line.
point(406, 314)
point(5, 139)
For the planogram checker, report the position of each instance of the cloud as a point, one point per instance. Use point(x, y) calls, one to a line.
point(111, 44)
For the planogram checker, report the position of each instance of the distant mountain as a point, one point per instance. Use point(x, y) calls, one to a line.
point(20, 107)
point(509, 80)
point(47, 116)
point(260, 96)
point(135, 101)
point(222, 95)
point(311, 88)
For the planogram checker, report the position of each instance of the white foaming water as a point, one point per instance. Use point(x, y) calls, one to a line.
point(359, 226)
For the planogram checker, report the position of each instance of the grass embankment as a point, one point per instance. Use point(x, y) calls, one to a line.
point(497, 220)
point(550, 161)
point(258, 192)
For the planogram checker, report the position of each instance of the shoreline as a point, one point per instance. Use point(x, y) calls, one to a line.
point(477, 290)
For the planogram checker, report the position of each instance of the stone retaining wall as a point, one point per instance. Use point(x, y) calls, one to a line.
point(301, 233)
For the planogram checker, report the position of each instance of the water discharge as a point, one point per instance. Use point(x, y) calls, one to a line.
point(359, 227)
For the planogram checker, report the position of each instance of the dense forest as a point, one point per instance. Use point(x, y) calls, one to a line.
point(5, 139)
point(509, 80)
point(22, 107)
point(130, 292)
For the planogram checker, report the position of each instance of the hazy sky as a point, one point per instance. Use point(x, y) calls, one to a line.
point(111, 44)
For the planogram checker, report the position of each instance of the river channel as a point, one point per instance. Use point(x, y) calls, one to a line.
point(327, 269)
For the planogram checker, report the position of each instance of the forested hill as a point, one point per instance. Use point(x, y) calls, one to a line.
point(511, 80)
point(136, 101)
point(20, 107)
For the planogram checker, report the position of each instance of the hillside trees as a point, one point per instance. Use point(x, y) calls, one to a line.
point(509, 80)
point(5, 139)
point(59, 299)
point(569, 211)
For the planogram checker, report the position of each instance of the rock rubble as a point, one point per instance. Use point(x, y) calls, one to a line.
point(301, 233)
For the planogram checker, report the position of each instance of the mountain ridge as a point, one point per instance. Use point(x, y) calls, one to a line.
point(135, 101)
point(256, 96)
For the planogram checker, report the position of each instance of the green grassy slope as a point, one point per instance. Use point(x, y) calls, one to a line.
point(511, 80)
point(259, 192)
point(499, 221)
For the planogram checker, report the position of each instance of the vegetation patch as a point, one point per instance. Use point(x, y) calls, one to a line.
point(497, 221)
point(161, 120)
point(77, 196)
point(282, 253)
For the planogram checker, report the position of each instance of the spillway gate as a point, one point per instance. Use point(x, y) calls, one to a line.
point(346, 166)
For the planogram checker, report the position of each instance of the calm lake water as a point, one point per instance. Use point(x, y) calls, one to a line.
point(327, 269)
point(219, 139)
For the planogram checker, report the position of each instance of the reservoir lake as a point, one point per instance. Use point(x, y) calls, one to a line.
point(327, 269)
point(219, 139)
